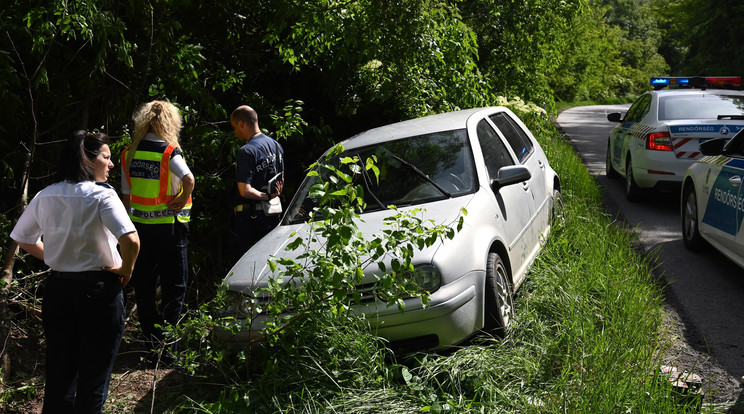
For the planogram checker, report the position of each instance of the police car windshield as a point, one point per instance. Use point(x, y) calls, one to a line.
point(700, 106)
point(444, 158)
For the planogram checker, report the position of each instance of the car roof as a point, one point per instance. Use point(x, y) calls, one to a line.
point(418, 126)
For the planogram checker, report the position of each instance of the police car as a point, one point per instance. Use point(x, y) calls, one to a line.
point(658, 137)
point(713, 199)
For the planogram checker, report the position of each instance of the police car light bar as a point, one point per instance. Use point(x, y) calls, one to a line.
point(695, 81)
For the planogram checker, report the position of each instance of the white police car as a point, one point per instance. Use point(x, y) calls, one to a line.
point(658, 137)
point(713, 199)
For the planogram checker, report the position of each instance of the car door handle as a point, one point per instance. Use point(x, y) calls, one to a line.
point(525, 185)
point(735, 181)
point(541, 164)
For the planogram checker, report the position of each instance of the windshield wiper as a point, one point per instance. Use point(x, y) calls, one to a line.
point(421, 175)
point(739, 117)
point(368, 184)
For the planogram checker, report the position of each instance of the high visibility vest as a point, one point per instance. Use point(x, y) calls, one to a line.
point(148, 176)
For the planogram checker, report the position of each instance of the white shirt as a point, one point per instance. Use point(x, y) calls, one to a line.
point(80, 223)
point(178, 169)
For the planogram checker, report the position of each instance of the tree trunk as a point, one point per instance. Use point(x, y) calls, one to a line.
point(6, 277)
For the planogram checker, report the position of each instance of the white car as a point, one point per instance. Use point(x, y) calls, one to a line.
point(658, 137)
point(484, 160)
point(713, 199)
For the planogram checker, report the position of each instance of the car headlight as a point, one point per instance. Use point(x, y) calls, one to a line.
point(427, 277)
point(243, 306)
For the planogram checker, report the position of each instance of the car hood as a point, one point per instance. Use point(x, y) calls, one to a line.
point(252, 270)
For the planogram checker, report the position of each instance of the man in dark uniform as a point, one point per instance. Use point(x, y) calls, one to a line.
point(260, 161)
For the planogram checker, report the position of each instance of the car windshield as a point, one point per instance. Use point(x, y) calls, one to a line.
point(413, 170)
point(703, 106)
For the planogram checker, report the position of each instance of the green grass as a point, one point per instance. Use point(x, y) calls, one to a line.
point(586, 338)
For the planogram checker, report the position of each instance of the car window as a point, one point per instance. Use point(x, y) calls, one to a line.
point(495, 154)
point(412, 171)
point(700, 106)
point(639, 109)
point(514, 134)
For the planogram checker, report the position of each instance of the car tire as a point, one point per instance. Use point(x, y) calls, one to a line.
point(632, 191)
point(609, 169)
point(499, 296)
point(558, 214)
point(691, 220)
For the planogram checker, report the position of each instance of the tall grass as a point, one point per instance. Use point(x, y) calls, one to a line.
point(586, 338)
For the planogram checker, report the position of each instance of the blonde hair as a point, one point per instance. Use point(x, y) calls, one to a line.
point(159, 117)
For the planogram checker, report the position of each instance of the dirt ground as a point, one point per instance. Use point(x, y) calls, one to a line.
point(722, 392)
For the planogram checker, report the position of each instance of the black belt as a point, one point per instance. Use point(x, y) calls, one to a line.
point(240, 208)
point(90, 275)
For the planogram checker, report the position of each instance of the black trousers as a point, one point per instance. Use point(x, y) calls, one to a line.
point(83, 319)
point(163, 262)
point(250, 227)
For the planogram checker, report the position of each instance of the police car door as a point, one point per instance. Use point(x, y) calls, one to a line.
point(724, 212)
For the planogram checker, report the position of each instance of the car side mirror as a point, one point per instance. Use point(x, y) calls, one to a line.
point(510, 175)
point(615, 117)
point(713, 146)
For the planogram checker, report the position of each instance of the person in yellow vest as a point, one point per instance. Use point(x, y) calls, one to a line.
point(156, 187)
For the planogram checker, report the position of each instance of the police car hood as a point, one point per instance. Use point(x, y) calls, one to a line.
point(252, 271)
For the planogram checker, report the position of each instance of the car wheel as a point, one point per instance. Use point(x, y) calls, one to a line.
point(499, 297)
point(690, 220)
point(558, 214)
point(632, 191)
point(609, 169)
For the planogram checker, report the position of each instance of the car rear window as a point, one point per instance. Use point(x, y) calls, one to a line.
point(702, 106)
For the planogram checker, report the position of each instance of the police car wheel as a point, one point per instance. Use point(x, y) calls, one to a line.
point(499, 296)
point(609, 169)
point(632, 191)
point(690, 220)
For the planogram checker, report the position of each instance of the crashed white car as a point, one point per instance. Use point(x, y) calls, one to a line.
point(483, 160)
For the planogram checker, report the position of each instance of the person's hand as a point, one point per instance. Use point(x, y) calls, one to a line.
point(177, 203)
point(278, 186)
point(124, 275)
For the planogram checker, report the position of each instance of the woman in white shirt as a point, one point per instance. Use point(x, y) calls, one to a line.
point(74, 226)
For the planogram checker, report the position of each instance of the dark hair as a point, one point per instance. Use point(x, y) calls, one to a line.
point(76, 161)
point(246, 114)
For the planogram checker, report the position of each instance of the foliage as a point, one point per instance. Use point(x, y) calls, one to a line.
point(701, 37)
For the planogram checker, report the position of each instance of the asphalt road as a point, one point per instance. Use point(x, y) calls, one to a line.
point(706, 288)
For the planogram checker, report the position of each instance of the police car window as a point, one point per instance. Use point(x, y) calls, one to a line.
point(639, 109)
point(514, 135)
point(495, 154)
point(700, 106)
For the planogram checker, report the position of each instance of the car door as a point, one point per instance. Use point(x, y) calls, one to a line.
point(725, 208)
point(528, 156)
point(514, 203)
point(621, 135)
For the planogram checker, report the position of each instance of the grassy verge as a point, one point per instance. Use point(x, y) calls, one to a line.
point(586, 338)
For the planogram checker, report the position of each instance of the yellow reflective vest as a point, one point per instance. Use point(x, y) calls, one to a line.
point(148, 176)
